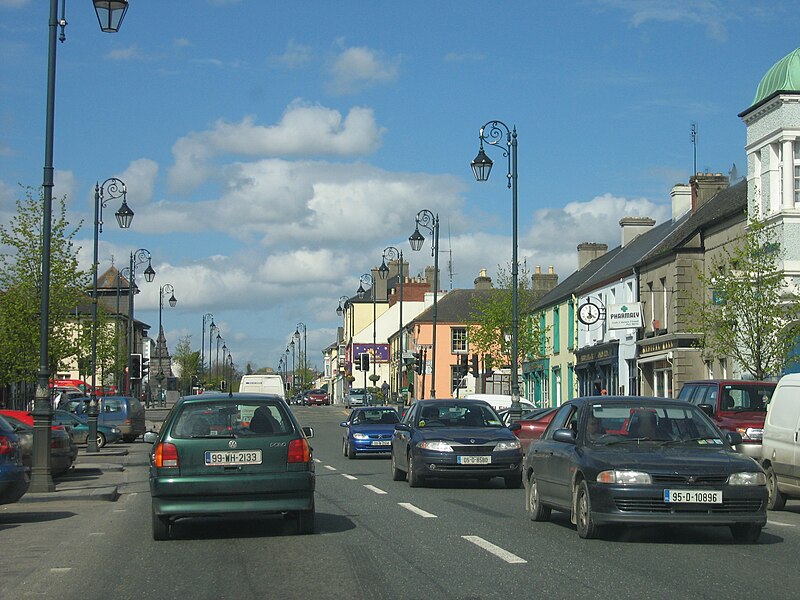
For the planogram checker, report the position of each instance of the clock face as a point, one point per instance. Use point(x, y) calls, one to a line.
point(589, 313)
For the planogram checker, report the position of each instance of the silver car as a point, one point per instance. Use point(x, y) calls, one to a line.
point(358, 397)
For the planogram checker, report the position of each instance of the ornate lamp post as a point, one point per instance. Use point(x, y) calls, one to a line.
point(116, 189)
point(210, 317)
point(302, 351)
point(162, 291)
point(370, 280)
point(216, 368)
point(138, 257)
point(41, 477)
point(481, 167)
point(430, 222)
point(393, 253)
point(291, 344)
point(213, 328)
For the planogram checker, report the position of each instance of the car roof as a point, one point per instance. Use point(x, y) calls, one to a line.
point(732, 381)
point(216, 396)
point(627, 399)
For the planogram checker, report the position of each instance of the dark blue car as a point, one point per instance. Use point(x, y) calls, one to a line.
point(369, 430)
point(14, 477)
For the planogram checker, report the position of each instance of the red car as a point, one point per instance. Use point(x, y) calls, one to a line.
point(532, 425)
point(317, 397)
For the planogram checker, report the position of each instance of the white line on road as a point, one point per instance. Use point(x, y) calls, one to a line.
point(61, 569)
point(330, 468)
point(316, 460)
point(779, 524)
point(419, 511)
point(372, 488)
point(496, 550)
point(349, 476)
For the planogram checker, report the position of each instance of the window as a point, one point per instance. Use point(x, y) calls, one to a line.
point(796, 171)
point(455, 378)
point(458, 340)
point(556, 330)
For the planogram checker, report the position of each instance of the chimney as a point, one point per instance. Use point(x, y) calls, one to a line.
point(681, 200)
point(483, 281)
point(543, 282)
point(429, 271)
point(705, 186)
point(632, 227)
point(588, 251)
point(381, 287)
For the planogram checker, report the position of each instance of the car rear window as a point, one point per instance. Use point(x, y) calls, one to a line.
point(232, 419)
point(376, 417)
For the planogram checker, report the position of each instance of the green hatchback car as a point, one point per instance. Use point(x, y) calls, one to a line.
point(231, 454)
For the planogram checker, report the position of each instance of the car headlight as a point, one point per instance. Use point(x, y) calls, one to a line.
point(115, 430)
point(624, 477)
point(754, 478)
point(360, 436)
point(752, 434)
point(435, 445)
point(508, 445)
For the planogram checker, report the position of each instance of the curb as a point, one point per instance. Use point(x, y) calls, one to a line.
point(106, 493)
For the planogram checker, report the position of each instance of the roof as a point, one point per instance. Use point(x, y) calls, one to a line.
point(783, 76)
point(566, 288)
point(453, 307)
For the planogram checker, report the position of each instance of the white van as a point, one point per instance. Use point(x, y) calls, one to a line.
point(500, 401)
point(780, 446)
point(262, 384)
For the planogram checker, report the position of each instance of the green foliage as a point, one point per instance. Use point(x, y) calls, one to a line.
point(187, 362)
point(20, 292)
point(747, 313)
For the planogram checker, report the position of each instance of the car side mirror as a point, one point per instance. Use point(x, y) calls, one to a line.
point(567, 436)
point(514, 427)
point(150, 437)
point(734, 438)
point(343, 424)
point(308, 431)
point(707, 408)
point(401, 427)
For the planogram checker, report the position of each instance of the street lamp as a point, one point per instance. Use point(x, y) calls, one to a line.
point(211, 331)
point(216, 369)
point(304, 354)
point(138, 257)
point(481, 167)
point(230, 373)
point(369, 279)
point(203, 345)
point(116, 189)
point(41, 477)
point(294, 387)
point(393, 253)
point(430, 222)
point(224, 366)
point(163, 291)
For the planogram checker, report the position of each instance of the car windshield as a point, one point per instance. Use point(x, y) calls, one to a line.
point(645, 422)
point(358, 391)
point(454, 414)
point(376, 416)
point(745, 397)
point(231, 419)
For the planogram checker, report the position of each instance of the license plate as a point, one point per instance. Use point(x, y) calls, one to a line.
point(382, 443)
point(693, 496)
point(473, 460)
point(229, 458)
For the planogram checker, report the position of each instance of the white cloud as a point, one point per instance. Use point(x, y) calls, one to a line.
point(294, 56)
point(358, 68)
point(711, 14)
point(140, 180)
point(129, 53)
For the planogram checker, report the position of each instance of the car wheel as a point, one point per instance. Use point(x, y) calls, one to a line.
point(414, 480)
point(586, 526)
point(351, 452)
point(776, 500)
point(533, 503)
point(746, 533)
point(128, 438)
point(397, 474)
point(305, 521)
point(160, 527)
point(513, 482)
point(101, 440)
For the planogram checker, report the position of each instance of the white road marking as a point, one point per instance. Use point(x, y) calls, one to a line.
point(779, 524)
point(372, 488)
point(349, 476)
point(61, 569)
point(419, 511)
point(97, 533)
point(316, 460)
point(496, 550)
point(330, 468)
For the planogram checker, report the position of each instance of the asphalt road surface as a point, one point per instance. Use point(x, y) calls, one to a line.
point(376, 539)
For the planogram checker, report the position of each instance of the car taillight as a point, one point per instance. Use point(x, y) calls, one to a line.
point(166, 455)
point(299, 451)
point(6, 447)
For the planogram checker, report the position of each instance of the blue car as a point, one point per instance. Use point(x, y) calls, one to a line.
point(14, 476)
point(369, 430)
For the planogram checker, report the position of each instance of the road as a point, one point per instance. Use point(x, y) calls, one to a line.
point(376, 539)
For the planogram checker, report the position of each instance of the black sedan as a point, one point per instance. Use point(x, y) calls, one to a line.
point(463, 439)
point(642, 461)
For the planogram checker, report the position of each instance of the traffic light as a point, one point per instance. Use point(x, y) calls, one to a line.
point(364, 356)
point(416, 357)
point(462, 363)
point(136, 366)
point(420, 363)
point(475, 371)
point(145, 368)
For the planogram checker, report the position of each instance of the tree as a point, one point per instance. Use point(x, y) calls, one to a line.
point(20, 292)
point(491, 320)
point(187, 362)
point(745, 310)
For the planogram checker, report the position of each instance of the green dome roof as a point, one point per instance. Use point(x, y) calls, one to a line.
point(784, 76)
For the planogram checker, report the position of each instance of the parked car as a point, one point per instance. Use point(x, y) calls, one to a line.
point(317, 397)
point(780, 445)
point(255, 459)
point(14, 475)
point(106, 434)
point(357, 397)
point(454, 439)
point(369, 430)
point(63, 450)
point(501, 401)
point(734, 405)
point(630, 460)
point(124, 412)
point(531, 426)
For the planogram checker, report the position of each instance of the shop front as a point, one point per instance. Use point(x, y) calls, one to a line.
point(597, 369)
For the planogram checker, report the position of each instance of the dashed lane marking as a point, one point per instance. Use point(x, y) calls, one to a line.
point(372, 488)
point(496, 550)
point(330, 468)
point(779, 524)
point(351, 477)
point(418, 511)
point(316, 460)
point(61, 569)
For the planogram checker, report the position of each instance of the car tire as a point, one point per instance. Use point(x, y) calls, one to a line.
point(128, 438)
point(414, 480)
point(344, 447)
point(351, 452)
point(161, 527)
point(533, 503)
point(776, 500)
point(587, 529)
point(101, 440)
point(746, 533)
point(397, 474)
point(305, 521)
point(513, 482)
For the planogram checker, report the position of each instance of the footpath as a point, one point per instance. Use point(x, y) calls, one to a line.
point(96, 475)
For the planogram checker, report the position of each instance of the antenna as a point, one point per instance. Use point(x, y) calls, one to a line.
point(450, 259)
point(694, 146)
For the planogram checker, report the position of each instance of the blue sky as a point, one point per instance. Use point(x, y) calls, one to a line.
point(271, 150)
